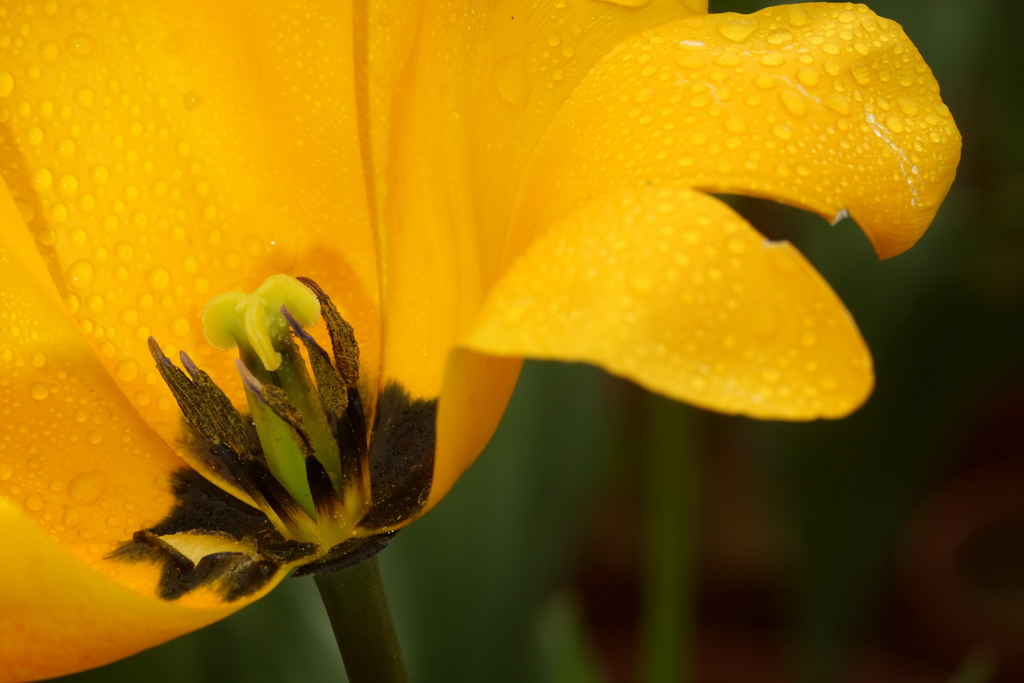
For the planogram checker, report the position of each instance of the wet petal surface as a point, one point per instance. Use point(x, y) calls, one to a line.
point(61, 617)
point(673, 290)
point(163, 152)
point(824, 106)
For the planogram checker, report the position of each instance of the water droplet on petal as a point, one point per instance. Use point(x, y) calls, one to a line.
point(510, 79)
point(127, 370)
point(42, 179)
point(794, 102)
point(737, 31)
point(6, 83)
point(808, 76)
point(158, 278)
point(80, 44)
point(87, 487)
point(80, 274)
point(837, 103)
point(894, 123)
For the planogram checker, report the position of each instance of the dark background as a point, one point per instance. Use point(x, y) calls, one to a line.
point(607, 535)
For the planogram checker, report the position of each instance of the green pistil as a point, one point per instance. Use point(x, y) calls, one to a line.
point(290, 419)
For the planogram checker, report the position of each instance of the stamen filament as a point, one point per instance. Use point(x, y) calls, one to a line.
point(285, 457)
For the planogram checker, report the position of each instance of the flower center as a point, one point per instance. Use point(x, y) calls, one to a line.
point(315, 490)
point(296, 482)
point(289, 415)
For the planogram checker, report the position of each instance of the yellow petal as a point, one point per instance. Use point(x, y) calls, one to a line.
point(167, 151)
point(60, 616)
point(824, 106)
point(456, 102)
point(477, 388)
point(73, 453)
point(674, 290)
point(80, 472)
point(457, 99)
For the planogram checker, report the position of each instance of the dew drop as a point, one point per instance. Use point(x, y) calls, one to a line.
point(779, 37)
point(837, 103)
point(642, 283)
point(190, 100)
point(737, 31)
point(180, 326)
point(861, 73)
point(6, 471)
point(80, 44)
point(124, 251)
point(158, 278)
point(798, 16)
point(6, 83)
point(65, 148)
point(49, 51)
point(42, 179)
point(782, 131)
point(100, 174)
point(794, 103)
point(38, 360)
point(127, 370)
point(34, 503)
point(39, 391)
point(80, 274)
point(736, 124)
point(84, 97)
point(894, 123)
point(808, 76)
point(909, 107)
point(510, 79)
point(68, 184)
point(87, 487)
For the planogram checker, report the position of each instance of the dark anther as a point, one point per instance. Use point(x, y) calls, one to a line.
point(343, 337)
point(329, 383)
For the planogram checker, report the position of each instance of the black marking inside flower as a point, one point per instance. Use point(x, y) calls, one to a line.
point(234, 525)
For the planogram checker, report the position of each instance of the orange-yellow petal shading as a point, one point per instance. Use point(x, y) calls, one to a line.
point(60, 616)
point(824, 106)
point(455, 105)
point(672, 289)
point(74, 453)
point(164, 151)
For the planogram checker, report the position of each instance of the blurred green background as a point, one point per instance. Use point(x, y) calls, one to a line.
point(607, 535)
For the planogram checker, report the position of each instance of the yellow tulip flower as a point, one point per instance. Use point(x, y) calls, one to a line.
point(470, 184)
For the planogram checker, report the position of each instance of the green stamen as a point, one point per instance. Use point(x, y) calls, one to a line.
point(276, 378)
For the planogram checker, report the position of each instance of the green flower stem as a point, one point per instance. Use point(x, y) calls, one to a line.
point(671, 493)
point(358, 607)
